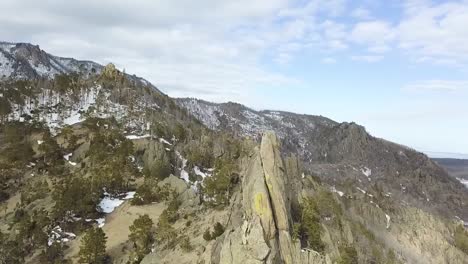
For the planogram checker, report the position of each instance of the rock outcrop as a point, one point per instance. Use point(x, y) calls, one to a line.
point(110, 71)
point(264, 237)
point(187, 196)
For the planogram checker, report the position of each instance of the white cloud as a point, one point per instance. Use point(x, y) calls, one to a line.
point(329, 60)
point(361, 13)
point(438, 86)
point(333, 30)
point(193, 48)
point(427, 32)
point(382, 48)
point(173, 43)
point(283, 58)
point(437, 31)
point(367, 58)
point(374, 34)
point(312, 7)
point(334, 45)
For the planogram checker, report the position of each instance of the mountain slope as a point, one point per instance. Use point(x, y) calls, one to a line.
point(84, 150)
point(344, 155)
point(26, 61)
point(457, 168)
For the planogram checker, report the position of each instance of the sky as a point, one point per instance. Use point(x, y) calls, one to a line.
point(397, 67)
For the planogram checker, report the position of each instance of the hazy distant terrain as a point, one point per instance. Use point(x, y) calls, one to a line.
point(455, 167)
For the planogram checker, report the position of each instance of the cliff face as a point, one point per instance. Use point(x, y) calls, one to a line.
point(265, 233)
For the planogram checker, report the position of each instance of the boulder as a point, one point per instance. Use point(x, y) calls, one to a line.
point(179, 185)
point(245, 244)
point(187, 195)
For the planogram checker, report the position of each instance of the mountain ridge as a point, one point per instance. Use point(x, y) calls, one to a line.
point(100, 150)
point(71, 65)
point(27, 61)
point(327, 147)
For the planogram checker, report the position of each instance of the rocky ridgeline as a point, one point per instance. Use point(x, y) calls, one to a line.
point(26, 61)
point(344, 154)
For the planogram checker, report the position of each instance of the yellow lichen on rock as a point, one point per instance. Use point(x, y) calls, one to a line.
point(260, 204)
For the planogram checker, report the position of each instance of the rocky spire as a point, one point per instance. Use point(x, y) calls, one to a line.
point(264, 236)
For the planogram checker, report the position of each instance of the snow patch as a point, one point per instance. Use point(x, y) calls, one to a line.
point(132, 137)
point(67, 157)
point(183, 173)
point(101, 222)
point(108, 203)
point(129, 195)
point(58, 236)
point(162, 140)
point(361, 190)
point(199, 172)
point(73, 119)
point(463, 181)
point(207, 114)
point(333, 189)
point(6, 66)
point(366, 171)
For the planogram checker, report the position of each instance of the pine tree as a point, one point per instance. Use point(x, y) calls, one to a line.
point(180, 133)
point(93, 247)
point(66, 133)
point(165, 233)
point(207, 235)
point(53, 254)
point(185, 245)
point(218, 230)
point(461, 238)
point(161, 168)
point(348, 255)
point(10, 251)
point(50, 149)
point(219, 185)
point(311, 227)
point(141, 235)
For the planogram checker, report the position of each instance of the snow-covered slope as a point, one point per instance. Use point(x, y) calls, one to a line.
point(26, 61)
point(294, 130)
point(57, 110)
